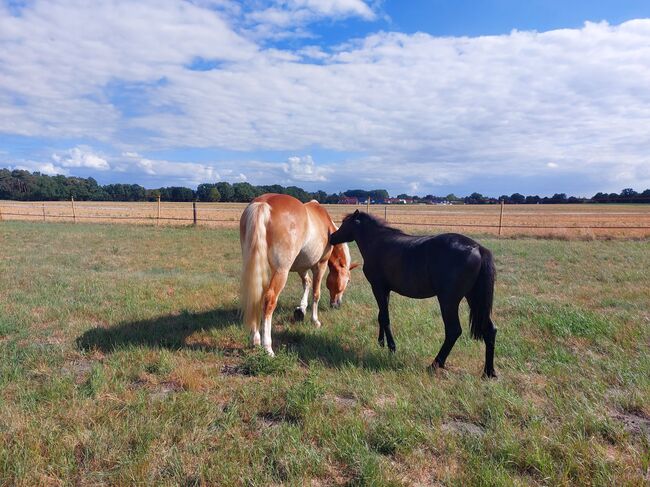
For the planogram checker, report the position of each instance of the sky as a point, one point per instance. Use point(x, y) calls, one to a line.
point(418, 97)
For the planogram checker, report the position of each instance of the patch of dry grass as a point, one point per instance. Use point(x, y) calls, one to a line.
point(570, 222)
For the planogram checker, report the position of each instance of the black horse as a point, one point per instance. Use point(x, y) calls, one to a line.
point(449, 266)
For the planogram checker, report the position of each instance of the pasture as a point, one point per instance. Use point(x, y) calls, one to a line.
point(122, 362)
point(583, 221)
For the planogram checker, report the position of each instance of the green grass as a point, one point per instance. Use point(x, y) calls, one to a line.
point(122, 362)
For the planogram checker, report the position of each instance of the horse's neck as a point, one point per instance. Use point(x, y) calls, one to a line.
point(365, 243)
point(373, 239)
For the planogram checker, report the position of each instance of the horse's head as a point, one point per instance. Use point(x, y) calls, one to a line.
point(339, 276)
point(348, 229)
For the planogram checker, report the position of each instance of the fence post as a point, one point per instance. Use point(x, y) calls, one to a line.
point(386, 213)
point(368, 205)
point(43, 211)
point(0, 213)
point(74, 214)
point(158, 217)
point(501, 217)
point(194, 210)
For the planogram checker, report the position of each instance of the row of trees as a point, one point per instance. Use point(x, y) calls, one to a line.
point(27, 186)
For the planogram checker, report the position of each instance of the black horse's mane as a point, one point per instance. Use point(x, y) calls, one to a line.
point(377, 222)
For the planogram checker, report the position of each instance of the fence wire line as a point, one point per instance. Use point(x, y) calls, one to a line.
point(418, 224)
point(395, 209)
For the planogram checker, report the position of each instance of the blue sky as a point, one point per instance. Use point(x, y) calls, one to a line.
point(421, 97)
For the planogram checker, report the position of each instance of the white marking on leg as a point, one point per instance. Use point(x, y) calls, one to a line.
point(266, 337)
point(314, 313)
point(255, 338)
point(306, 284)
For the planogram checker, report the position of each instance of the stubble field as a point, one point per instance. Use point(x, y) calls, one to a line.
point(583, 221)
point(122, 362)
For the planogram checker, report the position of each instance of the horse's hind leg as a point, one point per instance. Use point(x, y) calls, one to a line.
point(278, 280)
point(299, 312)
point(449, 309)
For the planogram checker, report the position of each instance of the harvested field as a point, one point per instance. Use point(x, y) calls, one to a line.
point(585, 221)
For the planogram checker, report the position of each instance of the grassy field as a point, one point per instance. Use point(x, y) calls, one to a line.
point(122, 362)
point(584, 221)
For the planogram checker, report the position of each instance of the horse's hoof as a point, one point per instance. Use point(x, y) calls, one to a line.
point(391, 347)
point(298, 314)
point(317, 324)
point(434, 367)
point(381, 343)
point(489, 375)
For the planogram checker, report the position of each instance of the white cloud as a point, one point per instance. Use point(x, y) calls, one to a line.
point(42, 167)
point(81, 157)
point(334, 8)
point(286, 13)
point(552, 165)
point(58, 57)
point(175, 172)
point(417, 107)
point(303, 169)
point(313, 52)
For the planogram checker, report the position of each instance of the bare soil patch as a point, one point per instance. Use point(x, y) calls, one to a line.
point(464, 428)
point(635, 423)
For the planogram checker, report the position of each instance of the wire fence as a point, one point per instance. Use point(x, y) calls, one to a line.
point(570, 221)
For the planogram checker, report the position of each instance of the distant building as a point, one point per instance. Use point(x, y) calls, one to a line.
point(348, 200)
point(398, 201)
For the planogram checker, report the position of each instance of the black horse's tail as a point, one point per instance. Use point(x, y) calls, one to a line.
point(481, 296)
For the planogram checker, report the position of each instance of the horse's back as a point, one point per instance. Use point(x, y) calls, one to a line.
point(286, 228)
point(297, 233)
point(422, 267)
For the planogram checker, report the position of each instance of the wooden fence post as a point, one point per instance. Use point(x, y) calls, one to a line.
point(43, 211)
point(368, 205)
point(501, 217)
point(194, 210)
point(158, 217)
point(0, 213)
point(386, 213)
point(74, 214)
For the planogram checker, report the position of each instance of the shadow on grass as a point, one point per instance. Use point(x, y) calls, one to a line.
point(171, 332)
point(333, 352)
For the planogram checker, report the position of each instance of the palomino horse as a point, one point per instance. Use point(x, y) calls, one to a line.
point(450, 266)
point(279, 234)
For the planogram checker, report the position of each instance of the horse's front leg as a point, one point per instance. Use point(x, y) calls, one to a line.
point(278, 280)
point(319, 271)
point(383, 297)
point(299, 312)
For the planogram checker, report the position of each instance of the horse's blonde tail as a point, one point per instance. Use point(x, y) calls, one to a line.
point(255, 268)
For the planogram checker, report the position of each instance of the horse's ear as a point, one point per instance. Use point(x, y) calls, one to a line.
point(354, 265)
point(356, 212)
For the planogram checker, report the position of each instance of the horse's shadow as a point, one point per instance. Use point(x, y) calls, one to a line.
point(168, 331)
point(172, 331)
point(318, 346)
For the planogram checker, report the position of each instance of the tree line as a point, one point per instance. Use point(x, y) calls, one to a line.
point(27, 186)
